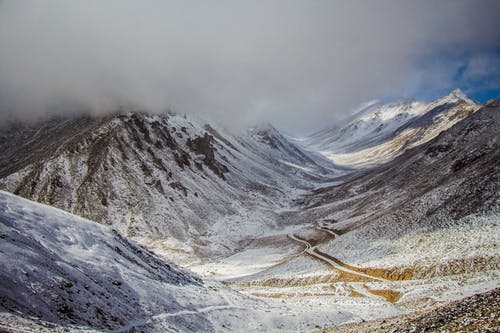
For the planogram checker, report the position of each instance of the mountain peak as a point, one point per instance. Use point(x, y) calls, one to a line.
point(457, 93)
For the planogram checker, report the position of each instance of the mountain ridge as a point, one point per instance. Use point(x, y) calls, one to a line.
point(381, 132)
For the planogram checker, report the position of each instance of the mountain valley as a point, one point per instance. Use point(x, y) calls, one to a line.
point(394, 212)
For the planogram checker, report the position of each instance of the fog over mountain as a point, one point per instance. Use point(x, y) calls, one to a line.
point(294, 63)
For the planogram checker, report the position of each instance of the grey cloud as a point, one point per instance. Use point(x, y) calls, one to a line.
point(299, 64)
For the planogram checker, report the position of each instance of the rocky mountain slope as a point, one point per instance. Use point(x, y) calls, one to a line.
point(167, 180)
point(380, 132)
point(413, 233)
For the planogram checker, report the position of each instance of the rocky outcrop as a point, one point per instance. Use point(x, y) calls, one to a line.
point(203, 145)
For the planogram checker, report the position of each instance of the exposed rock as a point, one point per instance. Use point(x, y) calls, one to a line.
point(203, 145)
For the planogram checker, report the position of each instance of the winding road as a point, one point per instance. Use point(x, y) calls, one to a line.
point(329, 260)
point(335, 263)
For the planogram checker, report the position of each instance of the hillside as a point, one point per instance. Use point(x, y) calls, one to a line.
point(67, 270)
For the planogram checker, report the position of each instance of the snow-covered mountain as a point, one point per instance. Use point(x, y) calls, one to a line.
point(168, 181)
point(379, 132)
point(370, 124)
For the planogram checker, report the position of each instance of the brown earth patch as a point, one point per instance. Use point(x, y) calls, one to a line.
point(390, 295)
point(461, 266)
point(291, 282)
point(396, 274)
point(354, 293)
point(351, 277)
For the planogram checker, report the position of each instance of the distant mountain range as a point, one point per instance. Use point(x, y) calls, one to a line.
point(394, 210)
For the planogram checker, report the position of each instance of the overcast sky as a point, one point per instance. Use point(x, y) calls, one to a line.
point(297, 64)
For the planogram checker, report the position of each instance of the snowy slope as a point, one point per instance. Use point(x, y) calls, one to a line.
point(380, 132)
point(65, 269)
point(374, 123)
point(240, 207)
point(168, 181)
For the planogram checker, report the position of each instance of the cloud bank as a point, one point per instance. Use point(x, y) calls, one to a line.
point(298, 64)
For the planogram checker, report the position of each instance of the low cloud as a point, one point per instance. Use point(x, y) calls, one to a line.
point(298, 64)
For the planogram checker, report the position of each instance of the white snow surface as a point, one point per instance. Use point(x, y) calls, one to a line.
point(54, 263)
